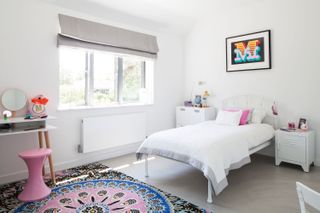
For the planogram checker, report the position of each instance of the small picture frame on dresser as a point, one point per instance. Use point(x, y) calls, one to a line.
point(303, 124)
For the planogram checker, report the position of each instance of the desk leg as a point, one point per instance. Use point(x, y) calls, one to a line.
point(41, 146)
point(46, 136)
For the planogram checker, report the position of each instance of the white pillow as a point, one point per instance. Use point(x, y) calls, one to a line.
point(228, 118)
point(258, 116)
point(248, 120)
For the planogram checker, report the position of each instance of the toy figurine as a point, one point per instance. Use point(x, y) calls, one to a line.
point(197, 101)
point(204, 98)
point(28, 115)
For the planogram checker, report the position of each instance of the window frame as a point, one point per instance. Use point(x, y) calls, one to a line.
point(89, 83)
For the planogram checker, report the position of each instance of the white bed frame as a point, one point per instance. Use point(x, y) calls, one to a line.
point(244, 101)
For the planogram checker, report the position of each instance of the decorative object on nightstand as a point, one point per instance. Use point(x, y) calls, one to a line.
point(196, 90)
point(187, 103)
point(297, 147)
point(205, 96)
point(292, 126)
point(303, 124)
point(197, 101)
point(192, 115)
point(274, 109)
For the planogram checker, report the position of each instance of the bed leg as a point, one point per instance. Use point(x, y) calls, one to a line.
point(146, 167)
point(209, 200)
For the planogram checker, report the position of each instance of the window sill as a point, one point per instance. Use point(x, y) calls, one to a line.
point(103, 107)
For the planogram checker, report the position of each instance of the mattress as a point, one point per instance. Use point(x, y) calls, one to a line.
point(260, 134)
point(212, 148)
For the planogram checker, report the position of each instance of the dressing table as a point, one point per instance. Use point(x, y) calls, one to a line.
point(15, 100)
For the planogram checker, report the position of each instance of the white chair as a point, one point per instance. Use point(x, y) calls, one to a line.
point(309, 196)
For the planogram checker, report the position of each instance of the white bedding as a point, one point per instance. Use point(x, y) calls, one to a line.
point(212, 148)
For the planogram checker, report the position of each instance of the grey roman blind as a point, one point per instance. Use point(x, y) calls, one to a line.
point(91, 35)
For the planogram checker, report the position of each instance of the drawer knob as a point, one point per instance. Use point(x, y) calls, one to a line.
point(182, 109)
point(196, 110)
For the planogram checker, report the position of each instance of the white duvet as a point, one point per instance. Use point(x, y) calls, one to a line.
point(212, 148)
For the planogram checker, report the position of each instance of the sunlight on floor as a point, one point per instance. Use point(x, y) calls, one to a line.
point(121, 167)
point(108, 169)
point(72, 179)
point(105, 170)
point(127, 165)
point(142, 161)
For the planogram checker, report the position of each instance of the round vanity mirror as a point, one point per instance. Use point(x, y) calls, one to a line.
point(13, 99)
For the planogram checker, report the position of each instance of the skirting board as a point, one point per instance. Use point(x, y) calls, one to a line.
point(100, 156)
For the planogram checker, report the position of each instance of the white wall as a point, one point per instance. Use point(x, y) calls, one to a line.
point(29, 61)
point(294, 79)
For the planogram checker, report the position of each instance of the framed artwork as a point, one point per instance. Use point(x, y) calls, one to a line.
point(248, 52)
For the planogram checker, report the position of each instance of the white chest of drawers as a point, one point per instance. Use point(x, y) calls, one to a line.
point(295, 147)
point(192, 115)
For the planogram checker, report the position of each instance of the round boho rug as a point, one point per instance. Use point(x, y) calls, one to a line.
point(95, 188)
point(102, 196)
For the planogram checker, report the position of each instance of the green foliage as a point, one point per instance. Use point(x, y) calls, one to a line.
point(71, 96)
point(102, 97)
point(131, 80)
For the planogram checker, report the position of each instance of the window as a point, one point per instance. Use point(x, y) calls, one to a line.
point(96, 78)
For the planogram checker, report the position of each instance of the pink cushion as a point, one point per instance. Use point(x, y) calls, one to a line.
point(244, 116)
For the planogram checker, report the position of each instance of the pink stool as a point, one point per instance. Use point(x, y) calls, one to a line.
point(35, 188)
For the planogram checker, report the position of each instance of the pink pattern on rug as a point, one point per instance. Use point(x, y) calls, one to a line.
point(122, 199)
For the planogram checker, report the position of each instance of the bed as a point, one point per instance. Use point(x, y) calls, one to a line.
point(213, 148)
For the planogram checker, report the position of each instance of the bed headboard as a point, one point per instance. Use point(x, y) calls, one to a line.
point(252, 101)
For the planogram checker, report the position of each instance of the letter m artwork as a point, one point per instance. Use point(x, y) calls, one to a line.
point(248, 51)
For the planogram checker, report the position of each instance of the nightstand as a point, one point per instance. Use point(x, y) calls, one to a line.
point(192, 115)
point(296, 147)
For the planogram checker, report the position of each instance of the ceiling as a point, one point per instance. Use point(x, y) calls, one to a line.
point(173, 14)
point(179, 14)
point(157, 9)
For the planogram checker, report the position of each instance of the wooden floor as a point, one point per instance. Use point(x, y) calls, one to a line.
point(257, 187)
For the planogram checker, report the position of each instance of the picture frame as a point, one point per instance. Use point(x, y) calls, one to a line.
point(302, 123)
point(249, 52)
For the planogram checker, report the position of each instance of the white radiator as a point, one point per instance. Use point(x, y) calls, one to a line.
point(98, 133)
